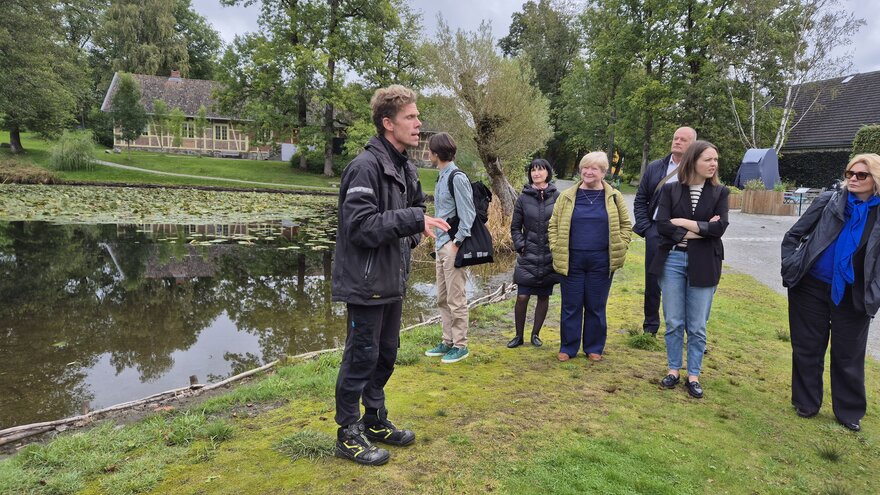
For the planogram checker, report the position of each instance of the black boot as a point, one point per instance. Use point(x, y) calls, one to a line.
point(515, 342)
point(351, 444)
point(536, 341)
point(379, 429)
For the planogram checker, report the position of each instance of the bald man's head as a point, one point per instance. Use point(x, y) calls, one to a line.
point(682, 138)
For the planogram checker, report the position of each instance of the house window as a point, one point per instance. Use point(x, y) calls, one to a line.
point(188, 130)
point(220, 132)
point(146, 130)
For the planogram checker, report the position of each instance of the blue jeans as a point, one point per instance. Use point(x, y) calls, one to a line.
point(584, 297)
point(685, 308)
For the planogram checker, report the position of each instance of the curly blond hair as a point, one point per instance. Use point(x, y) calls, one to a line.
point(387, 102)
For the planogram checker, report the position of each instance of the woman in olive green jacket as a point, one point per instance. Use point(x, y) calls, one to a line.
point(589, 232)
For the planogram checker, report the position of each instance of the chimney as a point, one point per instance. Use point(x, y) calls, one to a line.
point(175, 75)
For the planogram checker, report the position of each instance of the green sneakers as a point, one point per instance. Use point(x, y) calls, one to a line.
point(455, 355)
point(439, 350)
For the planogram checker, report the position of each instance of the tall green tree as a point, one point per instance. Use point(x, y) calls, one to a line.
point(291, 77)
point(128, 113)
point(547, 35)
point(159, 121)
point(200, 124)
point(175, 125)
point(491, 105)
point(41, 76)
point(140, 36)
point(203, 42)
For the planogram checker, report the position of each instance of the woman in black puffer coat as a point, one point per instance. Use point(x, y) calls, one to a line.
point(534, 273)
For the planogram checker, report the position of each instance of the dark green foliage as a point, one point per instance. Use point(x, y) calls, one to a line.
point(814, 168)
point(128, 113)
point(867, 140)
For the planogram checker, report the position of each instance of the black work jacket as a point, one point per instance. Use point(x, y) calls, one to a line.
point(704, 255)
point(528, 230)
point(817, 228)
point(381, 218)
point(648, 195)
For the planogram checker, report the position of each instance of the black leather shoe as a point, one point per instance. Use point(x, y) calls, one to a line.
point(351, 444)
point(379, 429)
point(669, 381)
point(695, 389)
point(851, 426)
point(515, 342)
point(536, 341)
point(804, 413)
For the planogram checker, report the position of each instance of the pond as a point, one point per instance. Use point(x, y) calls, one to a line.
point(99, 314)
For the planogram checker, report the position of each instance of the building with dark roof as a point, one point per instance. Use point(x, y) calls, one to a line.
point(830, 123)
point(223, 135)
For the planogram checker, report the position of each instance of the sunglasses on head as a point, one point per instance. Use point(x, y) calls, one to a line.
point(849, 174)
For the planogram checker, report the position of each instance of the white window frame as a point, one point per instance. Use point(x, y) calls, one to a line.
point(221, 130)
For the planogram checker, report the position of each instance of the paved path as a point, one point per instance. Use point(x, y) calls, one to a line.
point(751, 246)
point(237, 181)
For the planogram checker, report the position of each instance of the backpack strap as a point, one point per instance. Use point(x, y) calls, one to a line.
point(449, 184)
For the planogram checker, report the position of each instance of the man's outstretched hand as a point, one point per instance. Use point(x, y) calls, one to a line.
point(431, 223)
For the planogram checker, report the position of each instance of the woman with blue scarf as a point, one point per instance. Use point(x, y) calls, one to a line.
point(829, 264)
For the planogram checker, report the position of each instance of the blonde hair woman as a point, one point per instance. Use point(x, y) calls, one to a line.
point(829, 264)
point(589, 231)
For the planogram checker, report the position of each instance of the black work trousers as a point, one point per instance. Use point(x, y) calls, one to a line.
point(812, 318)
point(368, 360)
point(652, 282)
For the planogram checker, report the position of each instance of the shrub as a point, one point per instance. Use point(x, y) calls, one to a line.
point(734, 190)
point(74, 151)
point(755, 185)
point(813, 169)
point(867, 140)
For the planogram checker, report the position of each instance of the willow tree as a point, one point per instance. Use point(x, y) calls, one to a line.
point(492, 106)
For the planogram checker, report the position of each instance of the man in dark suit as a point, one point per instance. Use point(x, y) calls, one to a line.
point(656, 174)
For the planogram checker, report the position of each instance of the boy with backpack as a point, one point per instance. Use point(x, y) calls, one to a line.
point(456, 206)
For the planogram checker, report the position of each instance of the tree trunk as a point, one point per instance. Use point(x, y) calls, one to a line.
point(328, 106)
point(15, 139)
point(302, 111)
point(503, 192)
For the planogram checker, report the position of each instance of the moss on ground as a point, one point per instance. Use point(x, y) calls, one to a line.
point(518, 421)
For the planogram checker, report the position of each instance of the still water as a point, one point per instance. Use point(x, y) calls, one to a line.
point(102, 314)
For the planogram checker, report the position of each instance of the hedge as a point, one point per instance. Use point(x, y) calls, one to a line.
point(813, 169)
point(867, 140)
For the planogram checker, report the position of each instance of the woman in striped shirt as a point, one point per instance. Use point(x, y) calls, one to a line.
point(691, 218)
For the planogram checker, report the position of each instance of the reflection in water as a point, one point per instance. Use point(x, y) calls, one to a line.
point(101, 314)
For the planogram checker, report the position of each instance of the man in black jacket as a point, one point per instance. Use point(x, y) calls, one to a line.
point(656, 174)
point(381, 218)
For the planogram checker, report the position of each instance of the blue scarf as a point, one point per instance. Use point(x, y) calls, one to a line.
point(848, 242)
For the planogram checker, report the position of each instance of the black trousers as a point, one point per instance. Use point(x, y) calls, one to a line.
point(652, 282)
point(368, 360)
point(812, 318)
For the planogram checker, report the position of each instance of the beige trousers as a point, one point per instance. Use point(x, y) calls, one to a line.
point(451, 297)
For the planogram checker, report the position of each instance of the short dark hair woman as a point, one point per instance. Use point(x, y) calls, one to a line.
point(533, 275)
point(829, 264)
point(691, 218)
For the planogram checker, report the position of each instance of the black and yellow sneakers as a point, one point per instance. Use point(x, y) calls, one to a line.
point(379, 429)
point(351, 444)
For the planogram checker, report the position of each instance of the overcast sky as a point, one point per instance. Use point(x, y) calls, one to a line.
point(467, 14)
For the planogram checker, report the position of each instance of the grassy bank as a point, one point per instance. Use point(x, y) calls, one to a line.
point(280, 173)
point(505, 421)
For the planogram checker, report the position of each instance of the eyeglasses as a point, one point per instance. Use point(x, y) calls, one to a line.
point(849, 174)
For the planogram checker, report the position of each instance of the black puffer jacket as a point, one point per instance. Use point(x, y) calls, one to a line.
point(528, 229)
point(381, 217)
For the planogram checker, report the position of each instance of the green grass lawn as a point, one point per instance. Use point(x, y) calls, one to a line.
point(275, 172)
point(503, 421)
